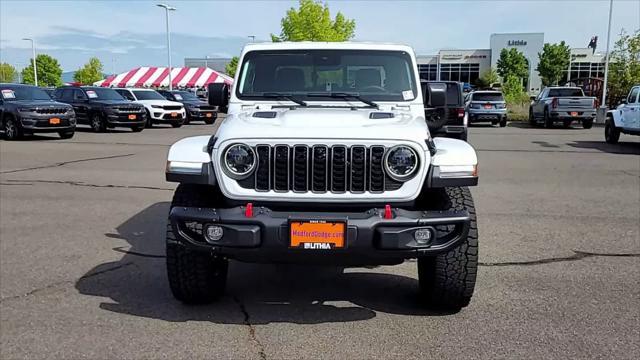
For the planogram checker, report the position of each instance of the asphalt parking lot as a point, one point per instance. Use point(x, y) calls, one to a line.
point(82, 269)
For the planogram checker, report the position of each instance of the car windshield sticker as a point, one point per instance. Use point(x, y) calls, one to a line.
point(178, 96)
point(8, 94)
point(407, 94)
point(92, 94)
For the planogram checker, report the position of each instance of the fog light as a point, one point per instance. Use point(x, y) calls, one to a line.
point(422, 236)
point(213, 233)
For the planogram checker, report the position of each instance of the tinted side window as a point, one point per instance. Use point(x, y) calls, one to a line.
point(57, 94)
point(633, 96)
point(79, 95)
point(453, 93)
point(67, 95)
point(126, 94)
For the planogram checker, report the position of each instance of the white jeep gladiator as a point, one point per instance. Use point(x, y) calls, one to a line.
point(324, 157)
point(625, 118)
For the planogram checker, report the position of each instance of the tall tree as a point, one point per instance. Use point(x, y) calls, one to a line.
point(512, 63)
point(49, 71)
point(7, 73)
point(89, 73)
point(553, 62)
point(312, 22)
point(487, 78)
point(624, 66)
point(232, 66)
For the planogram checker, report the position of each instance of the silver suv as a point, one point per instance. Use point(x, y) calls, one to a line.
point(487, 106)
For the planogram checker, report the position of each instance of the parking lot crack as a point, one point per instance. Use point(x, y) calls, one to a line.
point(252, 330)
point(65, 163)
point(577, 255)
point(20, 182)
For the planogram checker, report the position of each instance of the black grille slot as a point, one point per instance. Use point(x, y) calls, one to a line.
point(172, 107)
point(358, 168)
point(339, 168)
point(300, 168)
point(376, 173)
point(320, 166)
point(281, 168)
point(51, 111)
point(263, 173)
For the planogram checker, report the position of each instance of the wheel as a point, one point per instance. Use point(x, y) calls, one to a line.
point(566, 124)
point(97, 123)
point(611, 132)
point(11, 129)
point(503, 122)
point(532, 119)
point(587, 123)
point(548, 123)
point(187, 121)
point(137, 128)
point(194, 277)
point(448, 280)
point(66, 134)
point(176, 124)
point(149, 122)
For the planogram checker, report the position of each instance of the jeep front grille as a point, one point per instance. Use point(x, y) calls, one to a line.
point(320, 169)
point(52, 111)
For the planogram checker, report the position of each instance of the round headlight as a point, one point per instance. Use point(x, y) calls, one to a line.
point(401, 162)
point(239, 160)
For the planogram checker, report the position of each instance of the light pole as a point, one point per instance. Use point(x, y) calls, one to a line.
point(606, 60)
point(33, 51)
point(168, 8)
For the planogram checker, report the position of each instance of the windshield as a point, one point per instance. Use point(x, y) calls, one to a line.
point(103, 94)
point(23, 93)
point(148, 95)
point(372, 74)
point(479, 96)
point(184, 95)
point(565, 92)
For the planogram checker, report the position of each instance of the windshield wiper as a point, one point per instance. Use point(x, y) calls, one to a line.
point(345, 95)
point(278, 95)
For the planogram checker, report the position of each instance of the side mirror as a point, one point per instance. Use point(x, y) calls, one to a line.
point(218, 94)
point(437, 95)
point(532, 98)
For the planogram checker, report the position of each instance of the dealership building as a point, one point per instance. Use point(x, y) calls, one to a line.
point(468, 65)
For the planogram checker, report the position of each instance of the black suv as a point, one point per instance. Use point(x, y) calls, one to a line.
point(102, 108)
point(196, 108)
point(26, 109)
point(448, 120)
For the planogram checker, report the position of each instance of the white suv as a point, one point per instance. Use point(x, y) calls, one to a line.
point(159, 109)
point(325, 157)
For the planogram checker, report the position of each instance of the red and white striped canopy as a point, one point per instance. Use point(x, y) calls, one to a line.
point(186, 77)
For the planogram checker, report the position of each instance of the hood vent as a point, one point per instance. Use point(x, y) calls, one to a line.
point(264, 114)
point(381, 115)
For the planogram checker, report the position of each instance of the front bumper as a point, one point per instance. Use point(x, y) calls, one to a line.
point(161, 115)
point(202, 115)
point(39, 123)
point(122, 119)
point(370, 238)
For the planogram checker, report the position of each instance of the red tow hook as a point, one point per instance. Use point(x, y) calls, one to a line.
point(387, 212)
point(248, 211)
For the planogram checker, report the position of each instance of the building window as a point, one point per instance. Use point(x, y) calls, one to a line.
point(467, 73)
point(586, 70)
point(428, 71)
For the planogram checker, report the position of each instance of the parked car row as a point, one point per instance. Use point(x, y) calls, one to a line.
point(26, 109)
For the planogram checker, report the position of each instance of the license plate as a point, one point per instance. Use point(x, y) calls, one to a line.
point(54, 121)
point(317, 234)
point(488, 106)
point(208, 115)
point(132, 117)
point(574, 113)
point(174, 114)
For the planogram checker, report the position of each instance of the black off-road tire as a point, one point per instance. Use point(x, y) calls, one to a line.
point(447, 280)
point(532, 119)
point(149, 123)
point(194, 277)
point(503, 122)
point(611, 132)
point(66, 134)
point(587, 123)
point(11, 129)
point(98, 124)
point(548, 122)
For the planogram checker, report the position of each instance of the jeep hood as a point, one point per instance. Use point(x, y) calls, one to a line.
point(324, 123)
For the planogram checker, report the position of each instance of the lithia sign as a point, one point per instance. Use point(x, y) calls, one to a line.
point(517, 43)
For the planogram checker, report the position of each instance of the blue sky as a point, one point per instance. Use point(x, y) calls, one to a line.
point(126, 34)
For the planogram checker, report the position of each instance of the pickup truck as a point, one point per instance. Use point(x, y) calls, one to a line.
point(325, 157)
point(562, 104)
point(449, 120)
point(625, 118)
